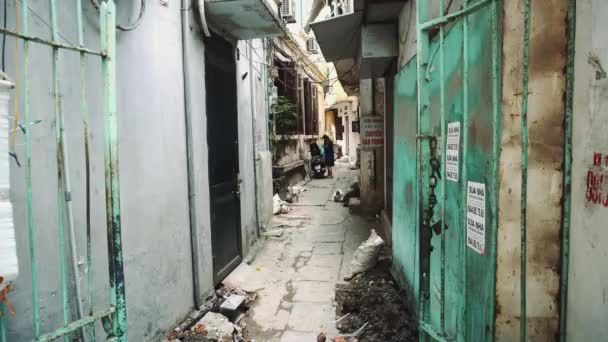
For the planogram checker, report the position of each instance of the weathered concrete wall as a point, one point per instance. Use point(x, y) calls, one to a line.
point(546, 112)
point(372, 160)
point(154, 187)
point(250, 99)
point(153, 165)
point(588, 278)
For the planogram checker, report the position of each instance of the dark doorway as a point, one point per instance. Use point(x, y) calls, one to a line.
point(222, 141)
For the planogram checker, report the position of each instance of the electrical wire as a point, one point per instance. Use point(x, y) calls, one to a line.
point(129, 27)
point(4, 36)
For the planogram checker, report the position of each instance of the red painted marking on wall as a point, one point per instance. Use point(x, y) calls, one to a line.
point(597, 181)
point(597, 159)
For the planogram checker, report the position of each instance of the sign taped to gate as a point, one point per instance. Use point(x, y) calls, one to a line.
point(476, 216)
point(452, 152)
point(372, 132)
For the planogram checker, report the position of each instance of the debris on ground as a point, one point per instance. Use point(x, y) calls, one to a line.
point(217, 327)
point(354, 191)
point(233, 306)
point(293, 194)
point(366, 255)
point(279, 206)
point(373, 298)
point(338, 196)
point(220, 323)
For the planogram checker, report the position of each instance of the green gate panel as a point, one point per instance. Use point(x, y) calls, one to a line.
point(469, 277)
point(405, 186)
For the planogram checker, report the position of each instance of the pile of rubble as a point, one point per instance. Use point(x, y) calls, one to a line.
point(373, 300)
point(220, 323)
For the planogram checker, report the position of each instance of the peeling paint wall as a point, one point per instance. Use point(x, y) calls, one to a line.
point(251, 115)
point(588, 278)
point(546, 112)
point(153, 165)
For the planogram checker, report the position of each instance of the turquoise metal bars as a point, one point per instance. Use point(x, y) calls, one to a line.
point(117, 294)
point(28, 172)
point(24, 36)
point(76, 325)
point(60, 170)
point(443, 173)
point(85, 125)
point(465, 143)
point(496, 133)
point(566, 201)
point(2, 324)
point(423, 156)
point(116, 312)
point(524, 164)
point(464, 12)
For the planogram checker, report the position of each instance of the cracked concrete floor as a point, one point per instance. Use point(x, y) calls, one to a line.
point(295, 275)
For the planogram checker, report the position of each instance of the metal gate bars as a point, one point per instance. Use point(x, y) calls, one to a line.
point(431, 176)
point(113, 318)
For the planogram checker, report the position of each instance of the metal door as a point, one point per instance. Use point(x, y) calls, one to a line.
point(112, 314)
point(222, 141)
point(457, 144)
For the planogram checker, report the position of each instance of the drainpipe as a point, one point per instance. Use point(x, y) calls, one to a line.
point(194, 238)
point(252, 102)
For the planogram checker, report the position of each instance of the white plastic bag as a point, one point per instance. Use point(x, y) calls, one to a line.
point(9, 267)
point(276, 204)
point(366, 255)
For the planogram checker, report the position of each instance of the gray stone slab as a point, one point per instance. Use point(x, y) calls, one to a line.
point(316, 273)
point(326, 236)
point(327, 248)
point(314, 291)
point(298, 336)
point(325, 260)
point(311, 317)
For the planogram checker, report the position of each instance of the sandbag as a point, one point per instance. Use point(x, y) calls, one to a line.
point(366, 255)
point(276, 204)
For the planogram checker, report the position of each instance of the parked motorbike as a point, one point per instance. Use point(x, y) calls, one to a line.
point(317, 162)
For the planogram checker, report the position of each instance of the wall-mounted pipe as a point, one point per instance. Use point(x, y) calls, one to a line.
point(567, 182)
point(524, 165)
point(185, 19)
point(255, 171)
point(203, 17)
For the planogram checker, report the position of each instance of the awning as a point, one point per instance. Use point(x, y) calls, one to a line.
point(245, 19)
point(339, 37)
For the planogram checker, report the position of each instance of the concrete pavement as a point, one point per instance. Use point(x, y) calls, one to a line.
point(295, 275)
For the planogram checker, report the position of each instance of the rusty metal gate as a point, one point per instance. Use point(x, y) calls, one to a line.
point(113, 316)
point(442, 157)
point(447, 167)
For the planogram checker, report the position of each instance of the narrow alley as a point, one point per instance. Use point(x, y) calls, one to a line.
point(295, 273)
point(303, 170)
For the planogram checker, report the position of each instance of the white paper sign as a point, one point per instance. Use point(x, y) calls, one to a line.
point(476, 216)
point(452, 151)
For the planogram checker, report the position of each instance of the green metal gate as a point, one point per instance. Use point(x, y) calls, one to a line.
point(113, 317)
point(454, 83)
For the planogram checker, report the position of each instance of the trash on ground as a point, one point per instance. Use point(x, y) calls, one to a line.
point(366, 255)
point(279, 206)
point(338, 196)
point(276, 204)
point(374, 298)
point(293, 194)
point(354, 191)
point(233, 306)
point(217, 326)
